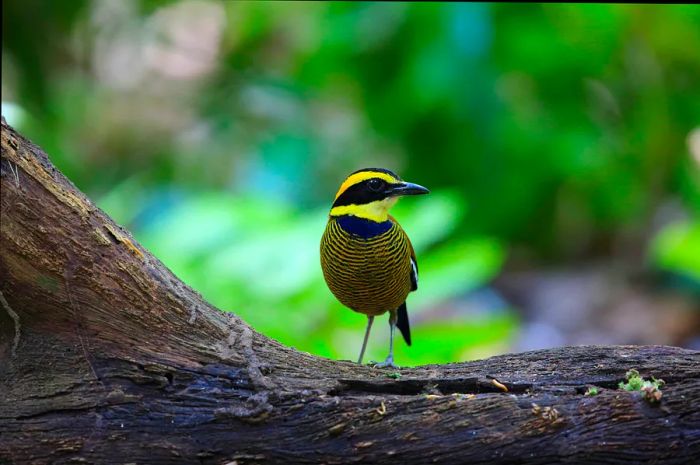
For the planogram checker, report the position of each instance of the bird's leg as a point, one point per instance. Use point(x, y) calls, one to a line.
point(389, 362)
point(370, 319)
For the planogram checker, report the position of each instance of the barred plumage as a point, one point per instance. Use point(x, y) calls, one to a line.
point(370, 276)
point(367, 259)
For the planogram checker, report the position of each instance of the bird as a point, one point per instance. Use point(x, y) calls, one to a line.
point(367, 259)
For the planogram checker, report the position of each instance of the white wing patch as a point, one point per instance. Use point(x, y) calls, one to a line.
point(414, 275)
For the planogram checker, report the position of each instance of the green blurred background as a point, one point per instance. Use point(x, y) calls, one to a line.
point(561, 144)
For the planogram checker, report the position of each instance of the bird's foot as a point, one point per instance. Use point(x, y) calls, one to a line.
point(388, 363)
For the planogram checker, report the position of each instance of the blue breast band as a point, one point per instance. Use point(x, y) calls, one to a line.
point(363, 227)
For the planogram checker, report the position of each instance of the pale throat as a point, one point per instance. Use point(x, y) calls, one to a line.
point(375, 211)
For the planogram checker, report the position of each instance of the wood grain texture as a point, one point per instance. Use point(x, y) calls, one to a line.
point(106, 357)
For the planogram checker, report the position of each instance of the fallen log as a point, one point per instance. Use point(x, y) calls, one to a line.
point(107, 357)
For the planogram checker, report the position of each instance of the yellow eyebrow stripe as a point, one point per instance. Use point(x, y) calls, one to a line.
point(362, 176)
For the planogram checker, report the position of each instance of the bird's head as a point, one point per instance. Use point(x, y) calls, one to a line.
point(369, 193)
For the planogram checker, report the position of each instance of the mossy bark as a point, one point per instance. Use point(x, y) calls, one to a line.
point(106, 357)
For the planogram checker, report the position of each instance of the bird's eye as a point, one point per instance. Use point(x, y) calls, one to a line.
point(375, 184)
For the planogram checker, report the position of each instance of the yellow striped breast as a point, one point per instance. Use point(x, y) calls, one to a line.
point(370, 276)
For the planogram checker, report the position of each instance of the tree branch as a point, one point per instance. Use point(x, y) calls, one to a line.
point(119, 361)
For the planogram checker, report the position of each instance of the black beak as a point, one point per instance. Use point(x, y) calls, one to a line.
point(407, 188)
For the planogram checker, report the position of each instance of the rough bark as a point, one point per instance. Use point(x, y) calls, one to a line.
point(106, 357)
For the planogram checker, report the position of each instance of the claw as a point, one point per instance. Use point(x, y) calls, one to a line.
point(388, 363)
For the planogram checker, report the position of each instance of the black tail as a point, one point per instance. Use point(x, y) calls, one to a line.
point(402, 323)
